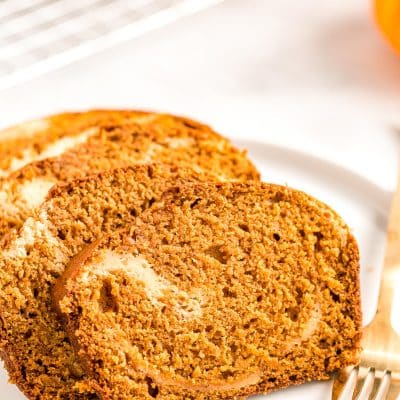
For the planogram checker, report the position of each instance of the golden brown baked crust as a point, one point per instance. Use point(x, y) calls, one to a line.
point(149, 138)
point(38, 354)
point(50, 136)
point(221, 290)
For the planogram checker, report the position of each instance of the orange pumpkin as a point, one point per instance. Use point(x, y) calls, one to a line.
point(387, 14)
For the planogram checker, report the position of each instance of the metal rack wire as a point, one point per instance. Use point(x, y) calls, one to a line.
point(37, 36)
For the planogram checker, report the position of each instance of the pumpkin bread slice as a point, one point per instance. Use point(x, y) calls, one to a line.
point(53, 135)
point(163, 138)
point(220, 291)
point(37, 353)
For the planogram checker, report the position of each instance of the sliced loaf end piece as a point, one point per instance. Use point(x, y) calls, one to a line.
point(54, 135)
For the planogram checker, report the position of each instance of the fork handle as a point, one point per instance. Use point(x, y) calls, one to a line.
point(390, 289)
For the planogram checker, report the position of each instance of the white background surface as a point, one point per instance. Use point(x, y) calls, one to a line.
point(311, 76)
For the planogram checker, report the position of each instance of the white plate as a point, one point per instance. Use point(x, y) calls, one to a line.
point(361, 203)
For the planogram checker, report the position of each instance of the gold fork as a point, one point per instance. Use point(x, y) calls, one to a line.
point(378, 375)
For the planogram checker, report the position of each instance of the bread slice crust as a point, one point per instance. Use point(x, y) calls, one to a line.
point(222, 290)
point(50, 136)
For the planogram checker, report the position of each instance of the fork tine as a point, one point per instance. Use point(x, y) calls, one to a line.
point(367, 386)
point(383, 389)
point(348, 388)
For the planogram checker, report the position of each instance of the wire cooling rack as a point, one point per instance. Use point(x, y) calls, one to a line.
point(37, 36)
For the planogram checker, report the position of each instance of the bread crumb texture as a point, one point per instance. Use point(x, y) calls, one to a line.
point(218, 291)
point(37, 352)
